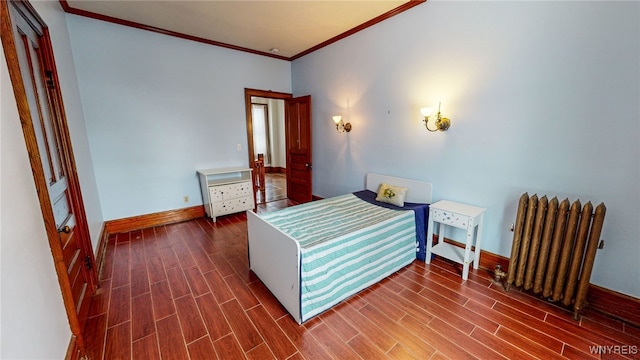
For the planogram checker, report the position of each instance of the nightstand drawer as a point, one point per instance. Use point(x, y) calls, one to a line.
point(230, 191)
point(450, 218)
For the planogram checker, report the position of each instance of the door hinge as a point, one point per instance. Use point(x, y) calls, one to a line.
point(87, 263)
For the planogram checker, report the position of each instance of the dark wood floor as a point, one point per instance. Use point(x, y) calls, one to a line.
point(185, 291)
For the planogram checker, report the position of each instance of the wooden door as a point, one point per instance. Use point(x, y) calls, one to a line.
point(32, 70)
point(298, 144)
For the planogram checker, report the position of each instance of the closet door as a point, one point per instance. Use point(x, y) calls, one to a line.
point(32, 70)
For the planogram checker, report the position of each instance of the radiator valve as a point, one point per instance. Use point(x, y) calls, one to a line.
point(498, 274)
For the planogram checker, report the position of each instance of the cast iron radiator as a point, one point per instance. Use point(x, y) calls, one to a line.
point(554, 247)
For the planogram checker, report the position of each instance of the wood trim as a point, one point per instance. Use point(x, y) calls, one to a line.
point(149, 220)
point(614, 304)
point(73, 351)
point(248, 94)
point(610, 302)
point(67, 8)
point(102, 249)
point(404, 7)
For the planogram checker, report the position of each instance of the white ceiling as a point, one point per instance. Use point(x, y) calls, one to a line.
point(290, 26)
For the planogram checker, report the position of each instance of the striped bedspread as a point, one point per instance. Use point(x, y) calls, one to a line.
point(346, 245)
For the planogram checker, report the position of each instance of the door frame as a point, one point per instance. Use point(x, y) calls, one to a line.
point(248, 94)
point(75, 196)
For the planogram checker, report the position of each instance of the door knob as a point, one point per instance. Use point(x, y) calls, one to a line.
point(66, 229)
point(308, 165)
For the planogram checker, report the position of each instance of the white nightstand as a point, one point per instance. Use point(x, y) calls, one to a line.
point(467, 217)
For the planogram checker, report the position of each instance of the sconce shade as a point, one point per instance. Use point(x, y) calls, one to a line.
point(426, 111)
point(337, 119)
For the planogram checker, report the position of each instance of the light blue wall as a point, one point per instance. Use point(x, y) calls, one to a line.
point(543, 98)
point(157, 108)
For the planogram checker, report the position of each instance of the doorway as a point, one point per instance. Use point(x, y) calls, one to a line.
point(266, 143)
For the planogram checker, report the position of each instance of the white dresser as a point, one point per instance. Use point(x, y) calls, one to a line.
point(226, 191)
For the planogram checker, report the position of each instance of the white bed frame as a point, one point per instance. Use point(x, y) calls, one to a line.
point(275, 256)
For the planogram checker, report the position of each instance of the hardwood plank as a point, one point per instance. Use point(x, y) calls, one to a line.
point(500, 345)
point(438, 311)
point(341, 326)
point(202, 349)
point(184, 256)
point(137, 250)
point(142, 320)
point(177, 283)
point(196, 281)
point(228, 348)
point(162, 300)
point(401, 352)
point(333, 344)
point(471, 345)
point(366, 327)
point(95, 332)
point(119, 306)
point(260, 352)
point(213, 317)
point(172, 344)
point(218, 286)
point(526, 326)
point(391, 311)
point(155, 270)
point(241, 291)
point(118, 342)
point(436, 340)
point(366, 348)
point(275, 338)
point(247, 335)
point(121, 270)
point(146, 348)
point(571, 326)
point(414, 342)
point(270, 303)
point(202, 261)
point(541, 351)
point(466, 314)
point(100, 299)
point(304, 341)
point(190, 320)
point(139, 281)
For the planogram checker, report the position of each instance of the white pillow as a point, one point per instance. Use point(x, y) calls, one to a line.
point(391, 194)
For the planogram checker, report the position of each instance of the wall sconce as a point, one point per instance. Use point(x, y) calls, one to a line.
point(340, 125)
point(442, 123)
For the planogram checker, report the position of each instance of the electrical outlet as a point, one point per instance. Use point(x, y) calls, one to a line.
point(186, 198)
point(239, 147)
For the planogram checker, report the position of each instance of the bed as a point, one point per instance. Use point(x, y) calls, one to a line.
point(314, 255)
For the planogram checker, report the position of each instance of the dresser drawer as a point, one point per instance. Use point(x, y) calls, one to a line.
point(450, 218)
point(232, 205)
point(230, 191)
